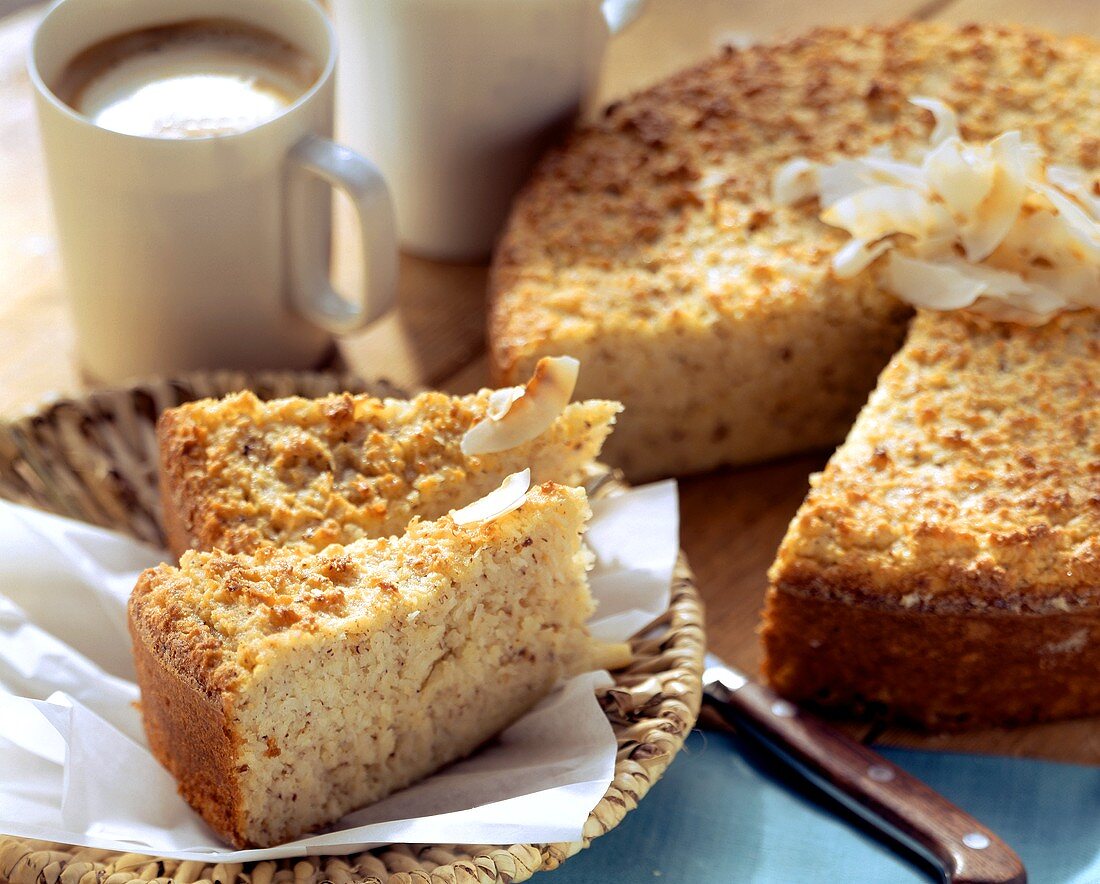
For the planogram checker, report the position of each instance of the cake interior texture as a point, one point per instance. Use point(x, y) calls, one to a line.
point(945, 567)
point(238, 473)
point(286, 689)
point(649, 245)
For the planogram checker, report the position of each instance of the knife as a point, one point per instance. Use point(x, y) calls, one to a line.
point(891, 800)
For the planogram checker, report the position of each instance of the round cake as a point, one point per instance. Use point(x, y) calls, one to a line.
point(650, 247)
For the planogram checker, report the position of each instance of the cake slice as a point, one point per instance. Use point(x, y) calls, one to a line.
point(945, 567)
point(286, 689)
point(238, 473)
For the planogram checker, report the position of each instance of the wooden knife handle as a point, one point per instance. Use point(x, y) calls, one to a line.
point(867, 783)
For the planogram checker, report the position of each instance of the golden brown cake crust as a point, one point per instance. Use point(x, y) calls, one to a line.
point(939, 671)
point(945, 567)
point(653, 231)
point(184, 712)
point(182, 480)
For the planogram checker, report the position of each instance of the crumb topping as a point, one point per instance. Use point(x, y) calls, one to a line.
point(314, 472)
point(660, 216)
point(222, 613)
point(971, 479)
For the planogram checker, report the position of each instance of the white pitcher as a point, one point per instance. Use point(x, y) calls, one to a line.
point(455, 100)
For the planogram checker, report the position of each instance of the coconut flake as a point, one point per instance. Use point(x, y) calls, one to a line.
point(1078, 286)
point(845, 178)
point(963, 178)
point(1077, 221)
point(1029, 232)
point(890, 171)
point(842, 179)
point(946, 120)
point(795, 182)
point(995, 215)
point(508, 497)
point(519, 414)
point(958, 285)
point(1077, 184)
point(930, 285)
point(1042, 240)
point(500, 401)
point(857, 255)
point(882, 210)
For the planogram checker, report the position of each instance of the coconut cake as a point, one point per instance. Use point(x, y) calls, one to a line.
point(651, 246)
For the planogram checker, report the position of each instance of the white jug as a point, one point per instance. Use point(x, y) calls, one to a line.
point(456, 99)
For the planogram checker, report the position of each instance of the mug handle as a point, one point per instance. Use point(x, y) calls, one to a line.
point(314, 164)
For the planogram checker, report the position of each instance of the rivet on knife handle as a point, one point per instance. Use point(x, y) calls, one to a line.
point(966, 851)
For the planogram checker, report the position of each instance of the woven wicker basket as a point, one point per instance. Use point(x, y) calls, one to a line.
point(94, 458)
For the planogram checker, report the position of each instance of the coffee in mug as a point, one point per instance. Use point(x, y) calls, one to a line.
point(188, 150)
point(188, 79)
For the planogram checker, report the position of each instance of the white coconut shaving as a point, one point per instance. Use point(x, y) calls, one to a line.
point(991, 228)
point(500, 501)
point(515, 415)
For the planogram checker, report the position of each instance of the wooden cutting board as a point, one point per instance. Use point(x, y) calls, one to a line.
point(732, 520)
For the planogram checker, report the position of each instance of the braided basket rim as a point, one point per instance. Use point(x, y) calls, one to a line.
point(92, 457)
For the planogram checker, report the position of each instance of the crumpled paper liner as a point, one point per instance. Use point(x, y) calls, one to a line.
point(74, 766)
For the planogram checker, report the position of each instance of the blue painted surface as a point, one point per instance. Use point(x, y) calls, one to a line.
point(725, 813)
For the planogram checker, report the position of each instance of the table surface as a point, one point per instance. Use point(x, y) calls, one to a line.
point(732, 519)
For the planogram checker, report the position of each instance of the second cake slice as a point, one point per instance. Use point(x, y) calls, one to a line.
point(239, 473)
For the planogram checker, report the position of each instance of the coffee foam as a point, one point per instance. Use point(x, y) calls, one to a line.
point(187, 80)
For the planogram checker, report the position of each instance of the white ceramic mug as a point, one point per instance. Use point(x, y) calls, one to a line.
point(206, 252)
point(456, 99)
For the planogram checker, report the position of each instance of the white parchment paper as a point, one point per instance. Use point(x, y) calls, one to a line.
point(74, 766)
